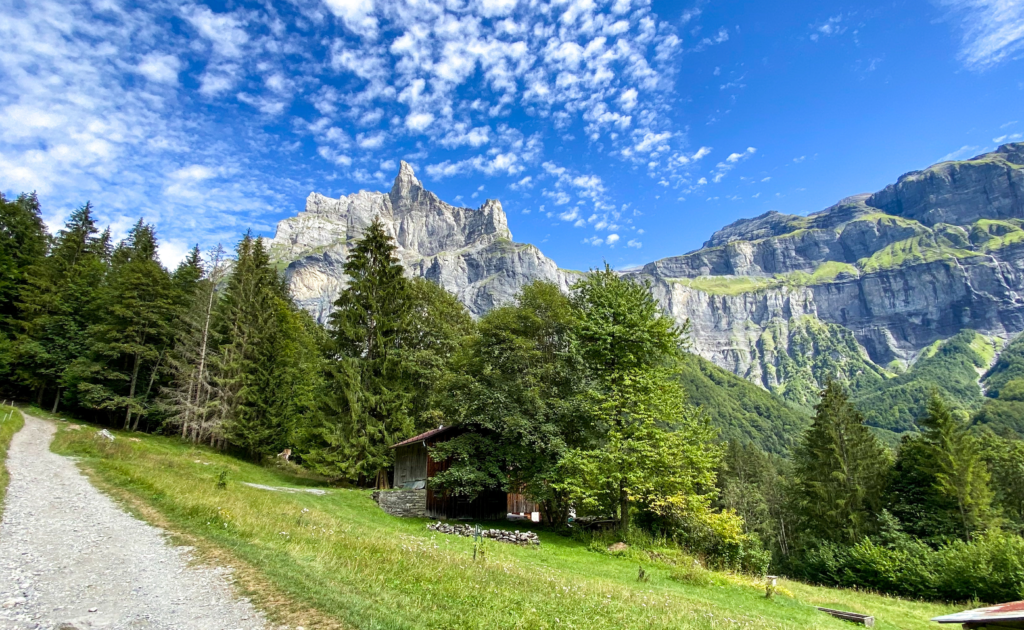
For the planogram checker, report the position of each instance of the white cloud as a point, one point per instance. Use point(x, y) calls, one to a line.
point(992, 31)
point(612, 239)
point(634, 243)
point(800, 159)
point(357, 15)
point(497, 8)
point(959, 154)
point(224, 31)
point(828, 28)
point(419, 122)
point(1013, 137)
point(159, 67)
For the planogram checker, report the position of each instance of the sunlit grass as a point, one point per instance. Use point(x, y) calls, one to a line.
point(341, 555)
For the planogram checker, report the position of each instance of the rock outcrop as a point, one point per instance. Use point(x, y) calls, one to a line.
point(868, 282)
point(468, 252)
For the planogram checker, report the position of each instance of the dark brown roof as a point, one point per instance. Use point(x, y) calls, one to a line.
point(422, 436)
point(1012, 611)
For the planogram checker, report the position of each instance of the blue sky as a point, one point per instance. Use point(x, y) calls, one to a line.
point(618, 130)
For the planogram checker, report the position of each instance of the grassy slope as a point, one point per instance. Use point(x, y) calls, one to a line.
point(742, 410)
point(342, 556)
point(8, 427)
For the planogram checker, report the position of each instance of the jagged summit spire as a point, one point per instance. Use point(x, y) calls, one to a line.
point(406, 185)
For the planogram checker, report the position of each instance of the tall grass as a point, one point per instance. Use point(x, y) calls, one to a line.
point(11, 422)
point(339, 554)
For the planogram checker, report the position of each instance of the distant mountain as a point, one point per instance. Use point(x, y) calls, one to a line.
point(861, 290)
point(469, 252)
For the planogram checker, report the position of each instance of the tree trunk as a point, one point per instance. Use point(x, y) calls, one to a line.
point(56, 400)
point(131, 392)
point(382, 479)
point(39, 398)
point(623, 509)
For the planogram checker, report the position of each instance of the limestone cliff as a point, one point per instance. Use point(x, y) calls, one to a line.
point(779, 299)
point(468, 252)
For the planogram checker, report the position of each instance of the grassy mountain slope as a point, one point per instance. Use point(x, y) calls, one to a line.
point(740, 409)
point(338, 561)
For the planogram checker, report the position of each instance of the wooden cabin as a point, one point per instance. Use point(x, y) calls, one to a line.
point(414, 467)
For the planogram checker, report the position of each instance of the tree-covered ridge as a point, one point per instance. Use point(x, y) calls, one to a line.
point(742, 411)
point(951, 368)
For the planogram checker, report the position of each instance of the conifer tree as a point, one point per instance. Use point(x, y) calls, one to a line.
point(59, 303)
point(959, 469)
point(840, 467)
point(249, 369)
point(191, 394)
point(368, 404)
point(133, 333)
point(23, 243)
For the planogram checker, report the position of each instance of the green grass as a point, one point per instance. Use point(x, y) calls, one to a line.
point(11, 422)
point(342, 556)
point(737, 285)
point(911, 251)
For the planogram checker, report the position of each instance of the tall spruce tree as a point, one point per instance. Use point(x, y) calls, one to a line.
point(957, 464)
point(133, 332)
point(252, 319)
point(59, 303)
point(840, 469)
point(23, 244)
point(368, 405)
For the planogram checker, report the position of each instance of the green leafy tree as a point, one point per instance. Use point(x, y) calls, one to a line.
point(755, 484)
point(134, 329)
point(840, 469)
point(368, 406)
point(655, 451)
point(956, 461)
point(59, 303)
point(519, 388)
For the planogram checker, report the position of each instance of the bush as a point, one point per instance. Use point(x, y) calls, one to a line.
point(692, 573)
point(988, 569)
point(719, 538)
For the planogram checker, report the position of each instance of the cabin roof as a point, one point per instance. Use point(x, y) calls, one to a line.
point(1011, 611)
point(422, 436)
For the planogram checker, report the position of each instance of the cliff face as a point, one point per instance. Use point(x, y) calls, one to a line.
point(782, 300)
point(468, 252)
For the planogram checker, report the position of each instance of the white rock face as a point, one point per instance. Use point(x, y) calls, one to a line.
point(468, 252)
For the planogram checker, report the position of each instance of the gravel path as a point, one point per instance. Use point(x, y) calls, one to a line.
point(70, 558)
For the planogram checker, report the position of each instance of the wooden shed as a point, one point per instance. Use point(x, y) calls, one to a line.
point(414, 467)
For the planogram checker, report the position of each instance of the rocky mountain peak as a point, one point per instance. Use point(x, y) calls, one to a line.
point(406, 188)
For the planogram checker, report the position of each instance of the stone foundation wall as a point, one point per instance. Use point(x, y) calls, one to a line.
point(404, 503)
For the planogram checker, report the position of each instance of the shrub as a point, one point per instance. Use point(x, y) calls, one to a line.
point(988, 569)
point(692, 573)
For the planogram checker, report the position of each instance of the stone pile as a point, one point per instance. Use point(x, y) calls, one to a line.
point(502, 535)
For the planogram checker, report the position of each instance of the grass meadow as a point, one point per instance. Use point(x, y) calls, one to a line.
point(338, 561)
